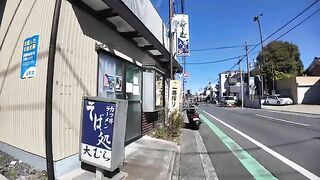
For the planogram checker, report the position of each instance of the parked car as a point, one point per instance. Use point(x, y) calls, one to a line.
point(278, 100)
point(228, 101)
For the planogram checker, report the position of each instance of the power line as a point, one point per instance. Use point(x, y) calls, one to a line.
point(236, 64)
point(216, 61)
point(255, 46)
point(287, 24)
point(289, 29)
point(291, 20)
point(218, 48)
point(298, 24)
point(215, 80)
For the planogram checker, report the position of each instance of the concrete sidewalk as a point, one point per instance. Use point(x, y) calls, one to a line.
point(193, 162)
point(145, 159)
point(2, 177)
point(296, 108)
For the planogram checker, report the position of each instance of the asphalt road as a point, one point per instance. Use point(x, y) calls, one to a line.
point(259, 144)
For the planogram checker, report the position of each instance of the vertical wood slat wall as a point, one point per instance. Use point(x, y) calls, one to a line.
point(22, 101)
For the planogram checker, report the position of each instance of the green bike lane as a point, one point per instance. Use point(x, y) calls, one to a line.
point(235, 157)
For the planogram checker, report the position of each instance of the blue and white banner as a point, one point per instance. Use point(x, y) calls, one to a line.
point(29, 57)
point(183, 44)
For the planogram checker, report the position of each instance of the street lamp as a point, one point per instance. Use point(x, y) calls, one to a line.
point(257, 19)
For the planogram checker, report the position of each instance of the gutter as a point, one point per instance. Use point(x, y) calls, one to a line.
point(49, 90)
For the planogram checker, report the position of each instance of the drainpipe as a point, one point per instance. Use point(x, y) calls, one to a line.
point(49, 90)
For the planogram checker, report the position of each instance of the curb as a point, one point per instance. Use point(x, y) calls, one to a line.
point(206, 163)
point(292, 112)
point(176, 168)
point(172, 167)
point(2, 177)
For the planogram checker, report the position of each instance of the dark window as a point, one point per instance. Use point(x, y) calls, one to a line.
point(2, 6)
point(229, 98)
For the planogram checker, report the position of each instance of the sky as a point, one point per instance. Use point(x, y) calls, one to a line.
point(219, 23)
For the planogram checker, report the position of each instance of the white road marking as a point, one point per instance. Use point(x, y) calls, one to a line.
point(282, 120)
point(285, 160)
point(208, 168)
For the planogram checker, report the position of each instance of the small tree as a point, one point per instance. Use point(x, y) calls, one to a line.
point(279, 59)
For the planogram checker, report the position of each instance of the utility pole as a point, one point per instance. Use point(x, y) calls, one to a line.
point(273, 89)
point(183, 73)
point(261, 81)
point(256, 18)
point(171, 37)
point(241, 81)
point(248, 69)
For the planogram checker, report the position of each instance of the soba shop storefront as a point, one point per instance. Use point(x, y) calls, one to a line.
point(103, 48)
point(120, 79)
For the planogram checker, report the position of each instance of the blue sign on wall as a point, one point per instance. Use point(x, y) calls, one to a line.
point(29, 57)
point(97, 132)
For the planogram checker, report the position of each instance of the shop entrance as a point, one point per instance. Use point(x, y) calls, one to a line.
point(120, 79)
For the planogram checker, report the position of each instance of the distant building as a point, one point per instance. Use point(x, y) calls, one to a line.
point(302, 90)
point(314, 68)
point(230, 84)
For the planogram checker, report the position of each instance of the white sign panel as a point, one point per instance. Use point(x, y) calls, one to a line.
point(183, 44)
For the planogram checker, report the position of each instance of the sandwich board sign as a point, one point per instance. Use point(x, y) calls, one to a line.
point(102, 137)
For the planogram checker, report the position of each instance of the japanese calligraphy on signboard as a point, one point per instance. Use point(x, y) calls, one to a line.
point(98, 132)
point(183, 44)
point(29, 57)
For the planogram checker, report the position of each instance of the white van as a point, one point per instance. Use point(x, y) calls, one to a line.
point(228, 101)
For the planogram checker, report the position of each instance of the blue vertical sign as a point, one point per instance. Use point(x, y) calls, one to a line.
point(97, 132)
point(29, 57)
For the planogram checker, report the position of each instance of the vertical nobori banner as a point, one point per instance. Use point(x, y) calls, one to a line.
point(183, 43)
point(29, 57)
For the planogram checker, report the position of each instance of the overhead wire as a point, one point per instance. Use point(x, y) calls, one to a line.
point(298, 24)
point(256, 45)
point(218, 48)
point(216, 61)
point(289, 23)
point(291, 20)
point(283, 34)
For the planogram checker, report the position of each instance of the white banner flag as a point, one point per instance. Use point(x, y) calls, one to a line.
point(182, 34)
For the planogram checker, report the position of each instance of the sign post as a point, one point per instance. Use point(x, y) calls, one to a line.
point(102, 137)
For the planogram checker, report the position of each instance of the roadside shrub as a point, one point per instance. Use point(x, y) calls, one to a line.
point(172, 129)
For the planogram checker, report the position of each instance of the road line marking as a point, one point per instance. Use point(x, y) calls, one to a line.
point(208, 168)
point(287, 161)
point(249, 162)
point(282, 120)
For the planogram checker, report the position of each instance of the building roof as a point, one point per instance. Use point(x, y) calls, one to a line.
point(314, 68)
point(229, 72)
point(124, 17)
